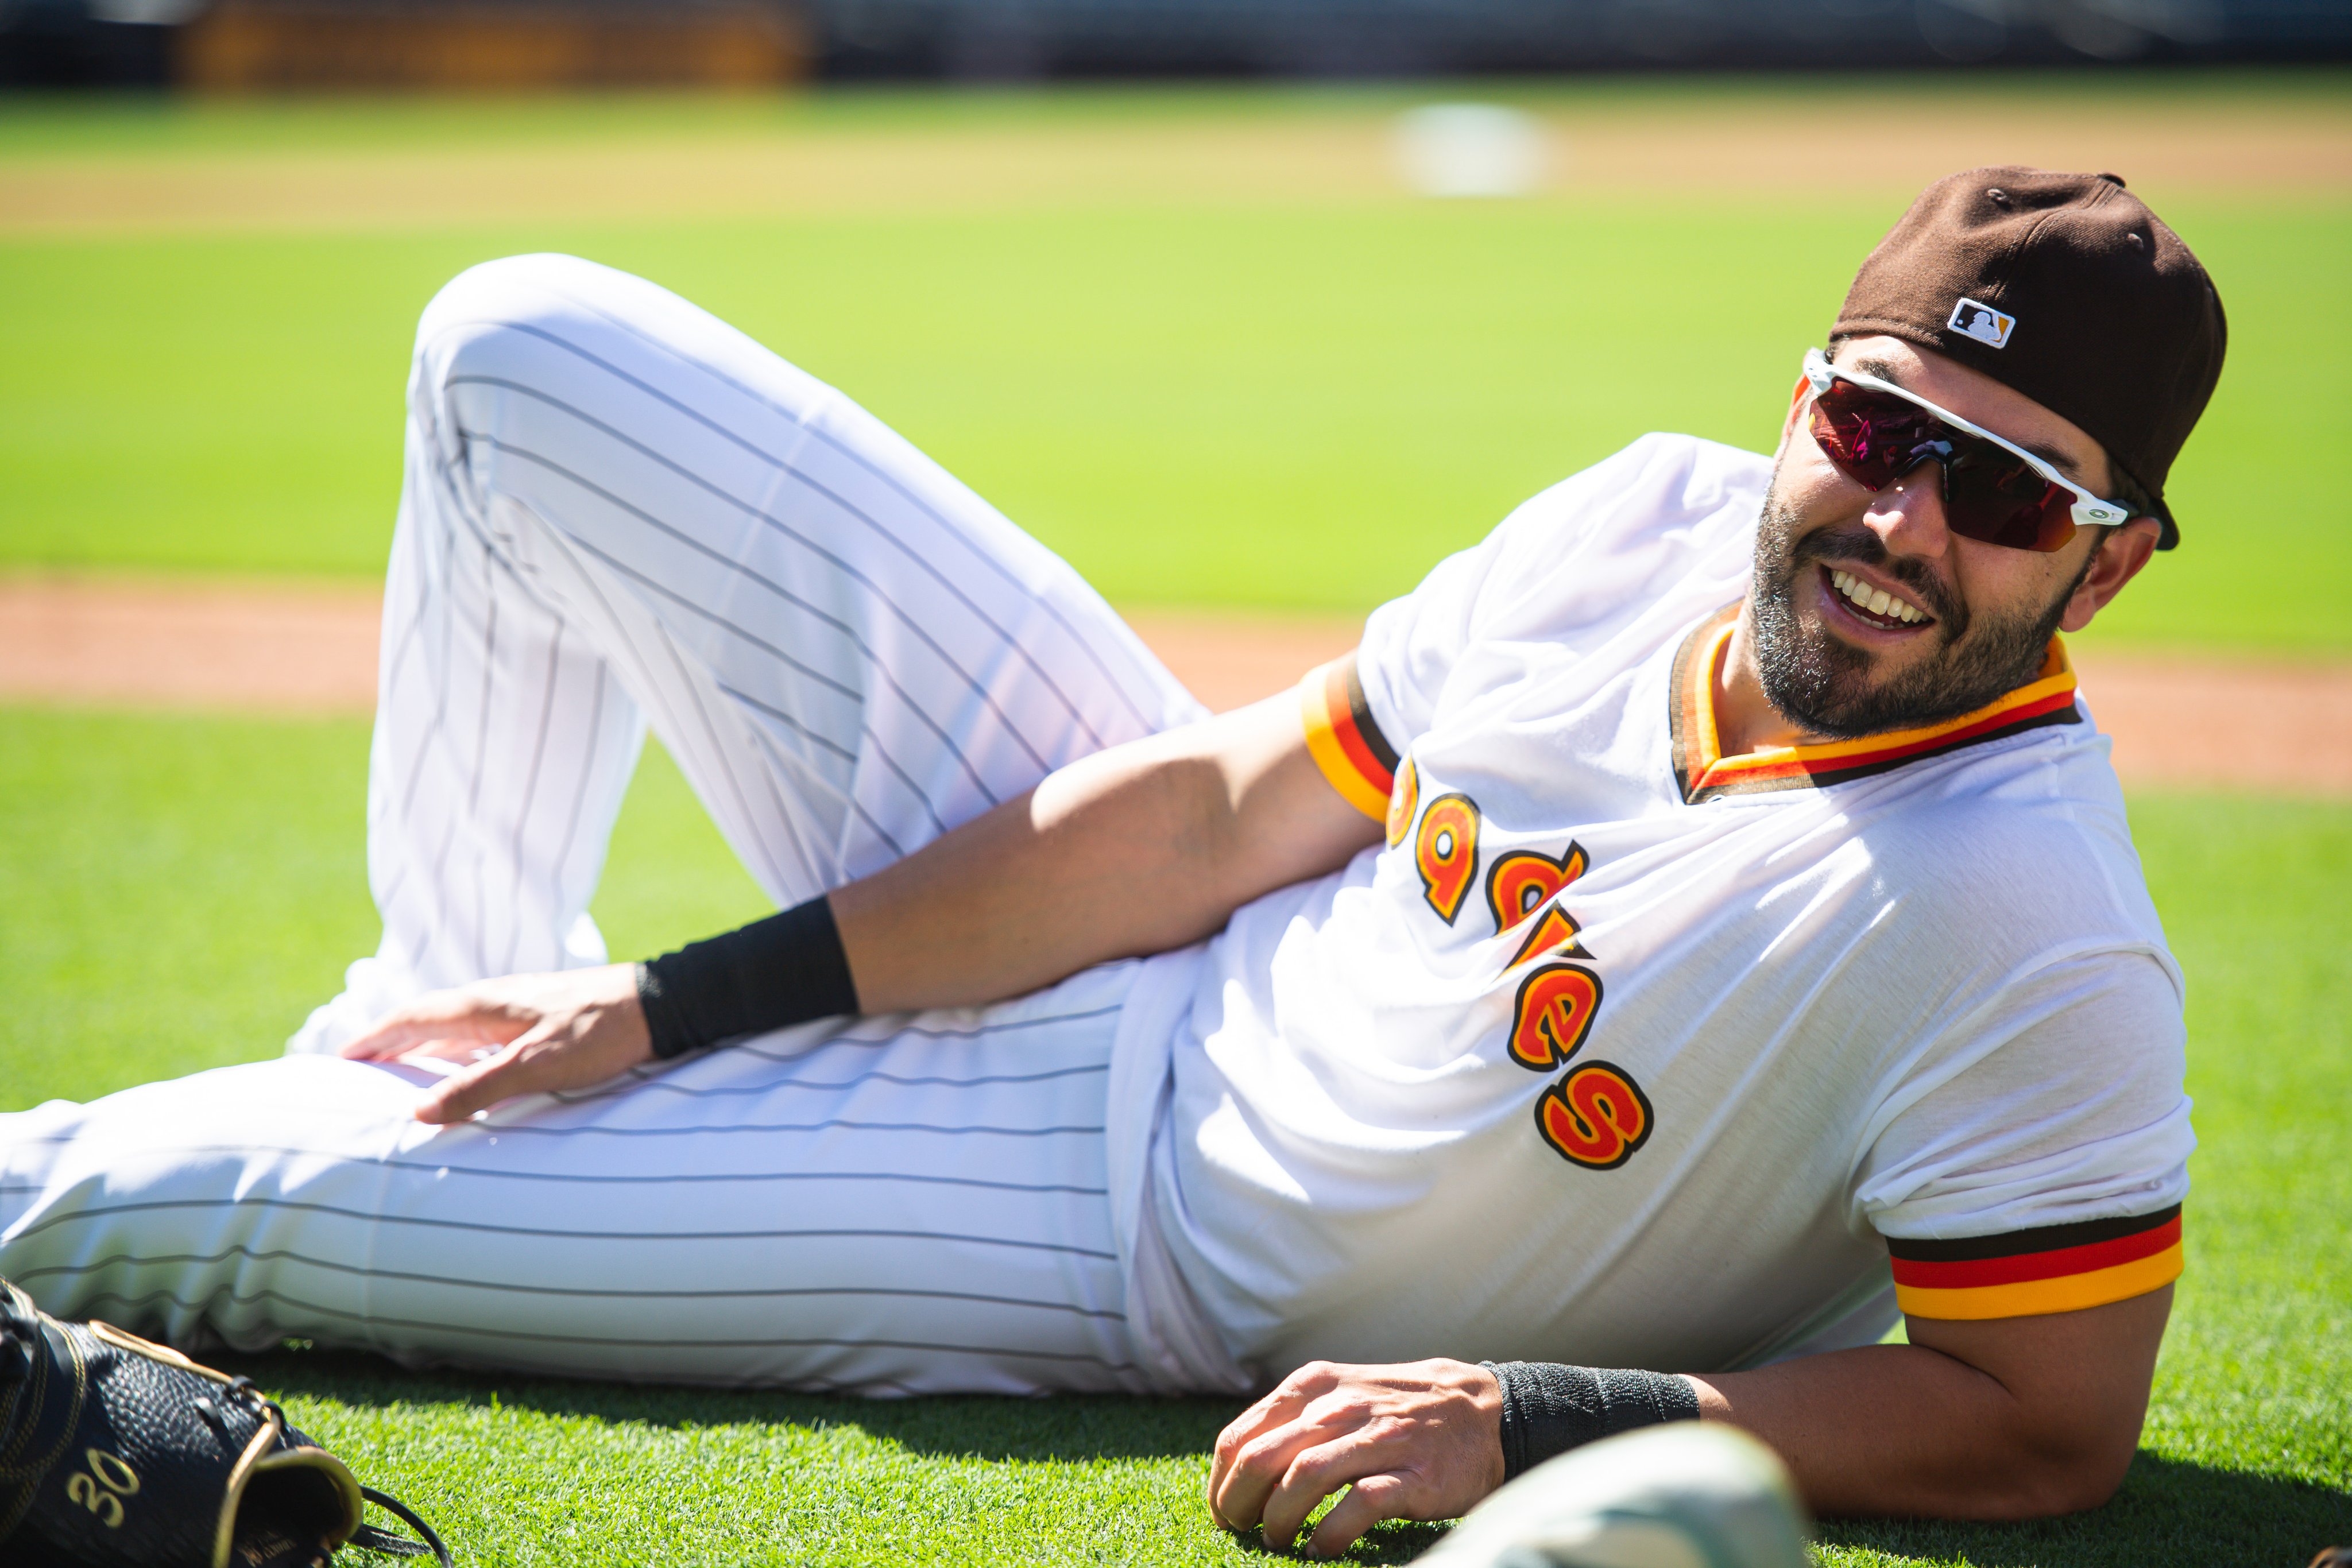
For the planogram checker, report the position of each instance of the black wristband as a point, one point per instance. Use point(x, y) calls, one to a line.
point(785, 969)
point(1549, 1408)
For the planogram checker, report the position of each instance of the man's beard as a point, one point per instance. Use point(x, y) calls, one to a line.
point(1824, 685)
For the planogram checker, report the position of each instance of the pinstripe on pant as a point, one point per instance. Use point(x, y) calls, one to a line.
point(617, 510)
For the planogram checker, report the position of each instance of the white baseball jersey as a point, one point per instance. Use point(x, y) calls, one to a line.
point(1621, 1052)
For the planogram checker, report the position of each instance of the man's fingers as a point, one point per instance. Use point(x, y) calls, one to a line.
point(1234, 1496)
point(389, 1037)
point(520, 1069)
point(1315, 1473)
point(1257, 1472)
point(465, 1050)
point(1238, 1490)
point(445, 1016)
point(1371, 1500)
point(1278, 1405)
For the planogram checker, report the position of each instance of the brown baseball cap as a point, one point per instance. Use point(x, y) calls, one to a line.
point(2066, 287)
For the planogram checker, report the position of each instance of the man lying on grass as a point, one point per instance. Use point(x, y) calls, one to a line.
point(1696, 925)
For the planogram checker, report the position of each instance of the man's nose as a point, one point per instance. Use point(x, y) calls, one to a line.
point(1908, 514)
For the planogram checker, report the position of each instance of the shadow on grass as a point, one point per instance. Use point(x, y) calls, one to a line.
point(2167, 1511)
point(1398, 1541)
point(1072, 1427)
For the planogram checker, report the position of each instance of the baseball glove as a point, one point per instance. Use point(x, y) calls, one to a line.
point(116, 1453)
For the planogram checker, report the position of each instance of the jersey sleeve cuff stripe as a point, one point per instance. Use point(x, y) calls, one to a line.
point(1964, 1273)
point(1352, 726)
point(2033, 1298)
point(1337, 741)
point(1367, 729)
point(2041, 1238)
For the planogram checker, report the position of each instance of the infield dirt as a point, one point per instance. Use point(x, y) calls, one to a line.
point(282, 649)
point(979, 152)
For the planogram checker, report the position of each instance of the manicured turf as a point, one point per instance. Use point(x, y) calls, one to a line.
point(175, 891)
point(1197, 403)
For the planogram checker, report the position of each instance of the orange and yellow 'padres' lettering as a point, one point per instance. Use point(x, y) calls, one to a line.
point(1447, 853)
point(1401, 803)
point(1555, 933)
point(1595, 1117)
point(1554, 1014)
point(1518, 883)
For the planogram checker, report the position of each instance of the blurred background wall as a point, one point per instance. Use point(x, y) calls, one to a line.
point(248, 45)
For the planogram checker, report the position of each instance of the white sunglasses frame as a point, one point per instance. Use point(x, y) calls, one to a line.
point(2088, 510)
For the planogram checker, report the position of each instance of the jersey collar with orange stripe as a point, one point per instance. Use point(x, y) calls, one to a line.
point(1703, 773)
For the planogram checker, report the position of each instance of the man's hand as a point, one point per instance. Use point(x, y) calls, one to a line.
point(525, 1034)
point(1417, 1441)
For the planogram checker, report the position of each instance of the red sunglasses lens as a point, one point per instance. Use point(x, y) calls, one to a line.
point(1873, 439)
point(1991, 495)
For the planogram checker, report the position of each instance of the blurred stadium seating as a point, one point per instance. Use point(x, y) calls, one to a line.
point(234, 44)
point(242, 45)
point(1412, 38)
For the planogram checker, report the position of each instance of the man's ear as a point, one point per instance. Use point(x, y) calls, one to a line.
point(2116, 561)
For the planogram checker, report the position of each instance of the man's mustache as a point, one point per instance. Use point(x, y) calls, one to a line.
point(1854, 542)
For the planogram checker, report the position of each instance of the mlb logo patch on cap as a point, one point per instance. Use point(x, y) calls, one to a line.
point(1982, 322)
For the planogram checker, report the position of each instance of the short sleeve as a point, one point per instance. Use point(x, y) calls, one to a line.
point(1411, 644)
point(1669, 519)
point(2040, 1166)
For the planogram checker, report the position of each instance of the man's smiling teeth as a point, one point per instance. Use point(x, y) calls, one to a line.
point(1877, 600)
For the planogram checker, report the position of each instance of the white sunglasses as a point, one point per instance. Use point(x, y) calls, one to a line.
point(1985, 498)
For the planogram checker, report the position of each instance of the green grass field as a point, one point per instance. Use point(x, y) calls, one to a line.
point(1200, 401)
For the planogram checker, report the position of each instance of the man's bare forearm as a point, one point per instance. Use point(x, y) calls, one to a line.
point(2013, 1418)
point(1136, 850)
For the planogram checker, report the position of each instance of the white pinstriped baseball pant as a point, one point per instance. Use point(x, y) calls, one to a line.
point(617, 510)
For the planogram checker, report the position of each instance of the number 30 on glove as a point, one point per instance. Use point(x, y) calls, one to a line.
point(115, 1453)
